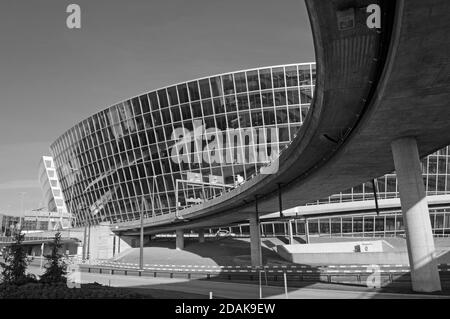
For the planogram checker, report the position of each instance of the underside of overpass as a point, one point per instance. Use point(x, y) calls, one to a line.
point(381, 102)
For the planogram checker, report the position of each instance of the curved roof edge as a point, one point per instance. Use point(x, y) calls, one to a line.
point(170, 85)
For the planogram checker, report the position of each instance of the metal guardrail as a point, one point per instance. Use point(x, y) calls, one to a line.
point(400, 273)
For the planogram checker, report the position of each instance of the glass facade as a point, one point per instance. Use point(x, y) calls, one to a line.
point(389, 224)
point(436, 177)
point(121, 160)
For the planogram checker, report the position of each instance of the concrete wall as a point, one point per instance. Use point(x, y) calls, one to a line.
point(101, 241)
point(400, 257)
point(336, 247)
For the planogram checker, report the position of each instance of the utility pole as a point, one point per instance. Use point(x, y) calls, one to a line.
point(22, 216)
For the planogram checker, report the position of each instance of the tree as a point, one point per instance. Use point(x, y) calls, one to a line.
point(15, 265)
point(56, 267)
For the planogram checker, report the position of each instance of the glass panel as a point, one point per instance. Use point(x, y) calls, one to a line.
point(228, 85)
point(278, 77)
point(207, 107)
point(242, 102)
point(282, 116)
point(267, 99)
point(186, 111)
point(294, 114)
point(266, 79)
point(239, 78)
point(335, 225)
point(176, 114)
point(304, 75)
point(193, 91)
point(255, 100)
point(305, 93)
point(145, 104)
point(196, 109)
point(280, 98)
point(230, 103)
point(153, 100)
point(357, 225)
point(216, 86)
point(269, 118)
point(292, 96)
point(173, 97)
point(291, 76)
point(252, 80)
point(439, 221)
point(183, 93)
point(219, 106)
point(163, 102)
point(204, 89)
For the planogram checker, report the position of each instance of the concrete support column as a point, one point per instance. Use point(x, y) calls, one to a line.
point(180, 239)
point(290, 232)
point(255, 240)
point(306, 231)
point(201, 236)
point(416, 216)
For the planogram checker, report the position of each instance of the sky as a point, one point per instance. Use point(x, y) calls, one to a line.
point(52, 77)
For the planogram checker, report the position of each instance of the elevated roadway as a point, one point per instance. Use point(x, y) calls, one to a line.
point(373, 87)
point(382, 97)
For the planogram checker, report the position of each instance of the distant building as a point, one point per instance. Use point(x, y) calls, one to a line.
point(53, 196)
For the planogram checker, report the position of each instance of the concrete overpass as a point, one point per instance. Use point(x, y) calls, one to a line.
point(382, 97)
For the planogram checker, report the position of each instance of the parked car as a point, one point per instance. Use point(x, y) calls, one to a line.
point(224, 233)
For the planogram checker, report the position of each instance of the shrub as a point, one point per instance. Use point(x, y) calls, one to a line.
point(56, 267)
point(15, 265)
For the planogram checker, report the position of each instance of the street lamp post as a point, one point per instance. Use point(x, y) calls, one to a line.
point(22, 213)
point(141, 246)
point(73, 169)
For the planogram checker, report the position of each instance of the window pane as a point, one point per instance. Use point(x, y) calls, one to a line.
point(163, 102)
point(304, 75)
point(196, 109)
point(267, 99)
point(193, 91)
point(204, 89)
point(282, 116)
point(153, 100)
point(230, 103)
point(216, 86)
point(176, 114)
point(278, 77)
point(240, 82)
point(255, 100)
point(305, 93)
point(183, 93)
point(280, 98)
point(207, 107)
point(291, 76)
point(252, 80)
point(186, 111)
point(242, 102)
point(293, 97)
point(266, 79)
point(173, 98)
point(228, 85)
point(219, 106)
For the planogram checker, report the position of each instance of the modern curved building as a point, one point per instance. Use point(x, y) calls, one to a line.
point(181, 144)
point(192, 141)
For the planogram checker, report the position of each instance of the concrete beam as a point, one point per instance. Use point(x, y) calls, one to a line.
point(419, 236)
point(290, 232)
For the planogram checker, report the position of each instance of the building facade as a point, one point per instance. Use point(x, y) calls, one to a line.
point(134, 154)
point(51, 190)
point(189, 142)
